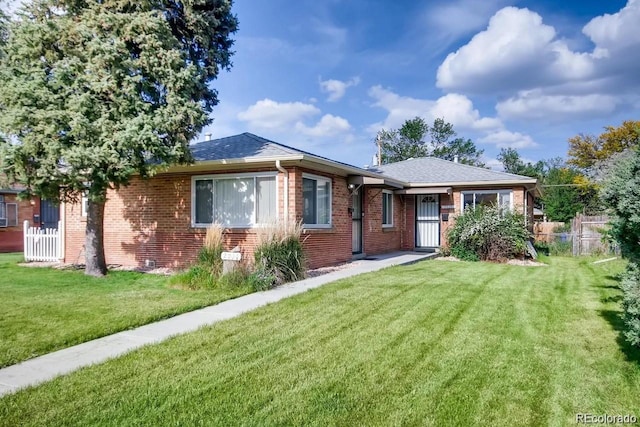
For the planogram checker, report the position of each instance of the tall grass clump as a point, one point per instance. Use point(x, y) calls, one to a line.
point(488, 233)
point(279, 257)
point(207, 270)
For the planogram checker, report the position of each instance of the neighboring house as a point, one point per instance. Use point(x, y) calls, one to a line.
point(245, 180)
point(13, 212)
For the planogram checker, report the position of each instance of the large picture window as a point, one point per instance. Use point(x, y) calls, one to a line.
point(501, 198)
point(387, 209)
point(234, 201)
point(316, 197)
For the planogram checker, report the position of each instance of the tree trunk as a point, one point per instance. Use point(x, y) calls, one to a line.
point(94, 240)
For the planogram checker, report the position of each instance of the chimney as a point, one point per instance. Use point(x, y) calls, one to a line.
point(374, 160)
point(207, 136)
point(455, 159)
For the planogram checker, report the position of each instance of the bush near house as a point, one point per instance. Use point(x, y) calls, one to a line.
point(279, 257)
point(621, 195)
point(207, 271)
point(488, 233)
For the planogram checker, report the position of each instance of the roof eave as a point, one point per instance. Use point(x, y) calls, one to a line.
point(353, 170)
point(472, 183)
point(236, 161)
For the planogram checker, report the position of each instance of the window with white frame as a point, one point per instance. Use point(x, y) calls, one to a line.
point(241, 200)
point(316, 199)
point(501, 198)
point(387, 208)
point(8, 213)
point(84, 205)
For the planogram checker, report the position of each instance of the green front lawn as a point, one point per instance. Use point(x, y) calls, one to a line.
point(435, 343)
point(43, 309)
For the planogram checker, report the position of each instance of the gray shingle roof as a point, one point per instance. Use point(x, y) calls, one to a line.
point(240, 146)
point(437, 171)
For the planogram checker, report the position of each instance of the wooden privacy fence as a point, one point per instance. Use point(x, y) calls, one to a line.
point(42, 244)
point(587, 235)
point(543, 231)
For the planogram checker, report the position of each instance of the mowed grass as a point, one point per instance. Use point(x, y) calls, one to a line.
point(435, 343)
point(43, 309)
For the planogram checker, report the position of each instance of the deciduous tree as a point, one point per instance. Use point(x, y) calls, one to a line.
point(513, 163)
point(585, 151)
point(417, 139)
point(97, 92)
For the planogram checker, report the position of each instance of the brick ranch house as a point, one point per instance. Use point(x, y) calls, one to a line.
point(245, 180)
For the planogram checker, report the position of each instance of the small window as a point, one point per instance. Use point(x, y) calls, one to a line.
point(501, 198)
point(84, 205)
point(316, 198)
point(12, 214)
point(8, 213)
point(387, 209)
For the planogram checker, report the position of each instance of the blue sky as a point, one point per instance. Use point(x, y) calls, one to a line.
point(325, 76)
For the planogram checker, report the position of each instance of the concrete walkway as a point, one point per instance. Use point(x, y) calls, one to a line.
point(52, 365)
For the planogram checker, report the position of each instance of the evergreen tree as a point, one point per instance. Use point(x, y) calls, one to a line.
point(97, 92)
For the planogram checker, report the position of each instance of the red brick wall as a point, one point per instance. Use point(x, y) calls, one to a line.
point(378, 239)
point(151, 219)
point(11, 238)
point(324, 246)
point(409, 222)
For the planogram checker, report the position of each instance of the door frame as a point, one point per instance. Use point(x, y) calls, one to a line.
point(439, 222)
point(359, 195)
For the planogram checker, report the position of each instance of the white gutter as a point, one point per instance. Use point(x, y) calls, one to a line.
point(471, 183)
point(286, 191)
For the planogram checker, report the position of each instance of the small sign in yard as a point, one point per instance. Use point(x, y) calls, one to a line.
point(231, 256)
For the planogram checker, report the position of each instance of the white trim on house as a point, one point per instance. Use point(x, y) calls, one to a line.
point(497, 192)
point(320, 178)
point(390, 193)
point(219, 176)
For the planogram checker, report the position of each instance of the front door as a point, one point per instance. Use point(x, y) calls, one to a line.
point(49, 214)
point(356, 223)
point(427, 220)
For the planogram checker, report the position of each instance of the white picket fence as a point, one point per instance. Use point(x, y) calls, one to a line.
point(42, 244)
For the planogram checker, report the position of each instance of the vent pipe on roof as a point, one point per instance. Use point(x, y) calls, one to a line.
point(207, 136)
point(455, 159)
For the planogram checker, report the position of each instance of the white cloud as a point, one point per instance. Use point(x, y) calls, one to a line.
point(516, 50)
point(536, 105)
point(458, 109)
point(449, 21)
point(454, 108)
point(518, 53)
point(292, 117)
point(399, 108)
point(337, 88)
point(269, 114)
point(617, 31)
point(507, 139)
point(329, 125)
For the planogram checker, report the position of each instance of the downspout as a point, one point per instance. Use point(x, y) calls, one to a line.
point(526, 212)
point(286, 191)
